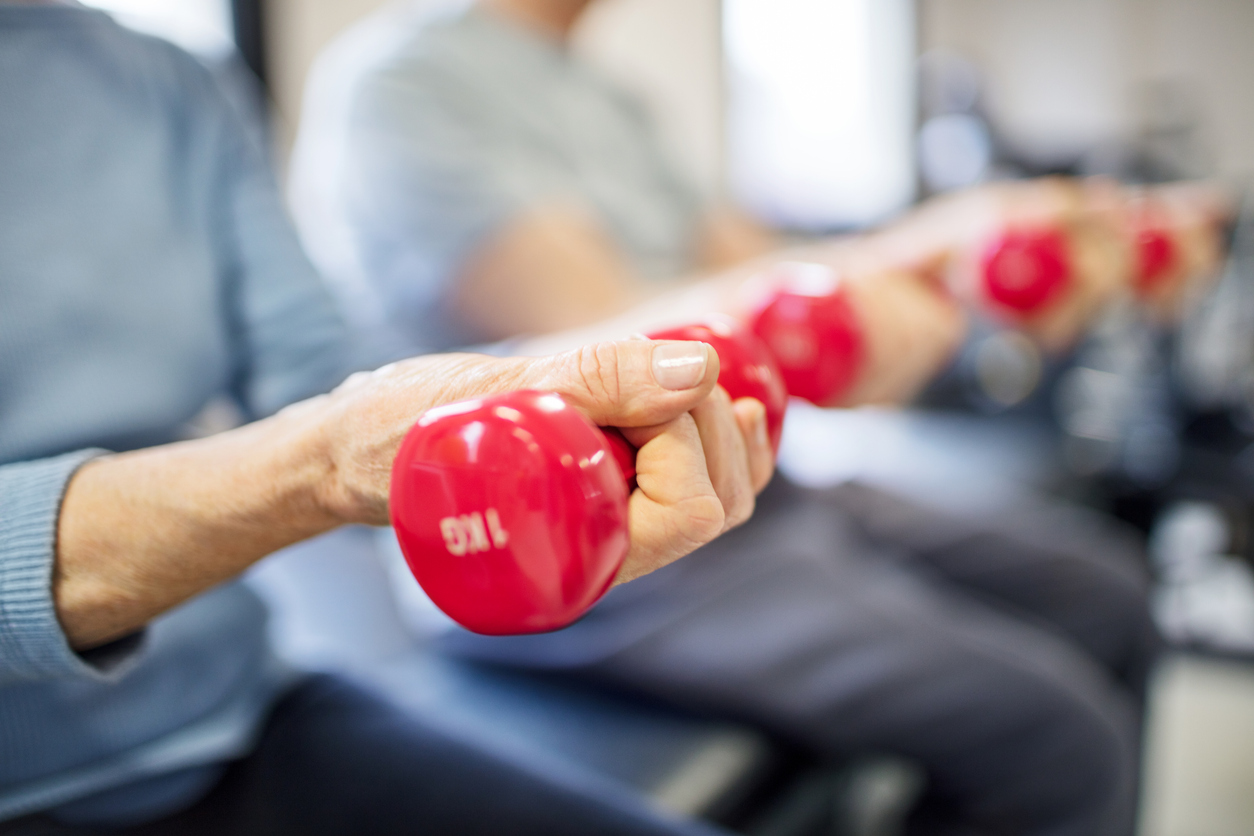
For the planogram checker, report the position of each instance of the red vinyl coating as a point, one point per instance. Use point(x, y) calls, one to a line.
point(746, 367)
point(511, 512)
point(1156, 256)
point(624, 454)
point(817, 340)
point(1024, 270)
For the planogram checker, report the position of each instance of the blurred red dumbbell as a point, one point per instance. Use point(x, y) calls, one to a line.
point(1024, 270)
point(511, 510)
point(1155, 255)
point(813, 331)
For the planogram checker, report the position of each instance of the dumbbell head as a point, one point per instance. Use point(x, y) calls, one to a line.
point(1155, 255)
point(1024, 270)
point(511, 511)
point(813, 331)
point(746, 367)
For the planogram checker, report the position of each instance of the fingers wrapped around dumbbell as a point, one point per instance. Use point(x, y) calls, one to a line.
point(697, 477)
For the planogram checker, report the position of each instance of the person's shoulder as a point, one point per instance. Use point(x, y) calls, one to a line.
point(440, 52)
point(171, 69)
point(130, 62)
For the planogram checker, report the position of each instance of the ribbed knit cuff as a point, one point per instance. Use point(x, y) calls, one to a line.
point(32, 644)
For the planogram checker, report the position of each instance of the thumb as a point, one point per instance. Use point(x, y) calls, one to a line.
point(630, 383)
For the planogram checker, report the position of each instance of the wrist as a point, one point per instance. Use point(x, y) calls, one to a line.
point(140, 532)
point(303, 467)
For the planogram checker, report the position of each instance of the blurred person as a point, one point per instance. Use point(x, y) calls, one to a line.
point(147, 267)
point(463, 168)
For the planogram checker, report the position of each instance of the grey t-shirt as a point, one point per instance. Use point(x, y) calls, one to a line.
point(447, 128)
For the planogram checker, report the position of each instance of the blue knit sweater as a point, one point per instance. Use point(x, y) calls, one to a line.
point(146, 267)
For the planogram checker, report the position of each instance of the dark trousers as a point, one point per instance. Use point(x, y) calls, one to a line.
point(1006, 655)
point(335, 760)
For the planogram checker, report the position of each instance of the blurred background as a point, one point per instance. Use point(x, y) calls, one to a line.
point(826, 116)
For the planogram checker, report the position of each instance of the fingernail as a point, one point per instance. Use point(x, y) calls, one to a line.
point(679, 365)
point(759, 429)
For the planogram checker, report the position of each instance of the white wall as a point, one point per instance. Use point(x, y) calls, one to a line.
point(297, 30)
point(1065, 73)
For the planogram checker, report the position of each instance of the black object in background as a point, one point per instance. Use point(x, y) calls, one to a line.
point(250, 35)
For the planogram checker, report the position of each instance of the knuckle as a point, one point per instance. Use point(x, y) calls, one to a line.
point(704, 519)
point(598, 370)
point(741, 510)
point(351, 382)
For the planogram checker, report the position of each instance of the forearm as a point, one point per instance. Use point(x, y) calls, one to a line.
point(550, 269)
point(141, 532)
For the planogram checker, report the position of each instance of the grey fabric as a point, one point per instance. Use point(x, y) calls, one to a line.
point(1007, 658)
point(450, 128)
point(32, 644)
point(339, 760)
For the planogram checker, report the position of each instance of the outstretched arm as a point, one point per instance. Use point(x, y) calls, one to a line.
point(141, 532)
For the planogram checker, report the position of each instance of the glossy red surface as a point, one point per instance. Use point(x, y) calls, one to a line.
point(1156, 256)
point(815, 335)
point(746, 367)
point(624, 455)
point(511, 512)
point(1024, 270)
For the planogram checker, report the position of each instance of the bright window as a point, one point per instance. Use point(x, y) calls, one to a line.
point(201, 26)
point(821, 109)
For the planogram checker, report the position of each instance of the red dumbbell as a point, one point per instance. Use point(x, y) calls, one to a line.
point(1155, 250)
point(813, 331)
point(511, 510)
point(1156, 257)
point(1023, 270)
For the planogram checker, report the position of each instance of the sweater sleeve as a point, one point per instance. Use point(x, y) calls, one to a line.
point(32, 644)
point(290, 338)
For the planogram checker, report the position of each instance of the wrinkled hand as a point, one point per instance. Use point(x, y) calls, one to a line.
point(701, 460)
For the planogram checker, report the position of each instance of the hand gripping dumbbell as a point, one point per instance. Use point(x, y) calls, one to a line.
point(810, 325)
point(747, 367)
point(511, 510)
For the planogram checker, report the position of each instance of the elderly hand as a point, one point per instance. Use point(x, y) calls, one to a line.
point(701, 458)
